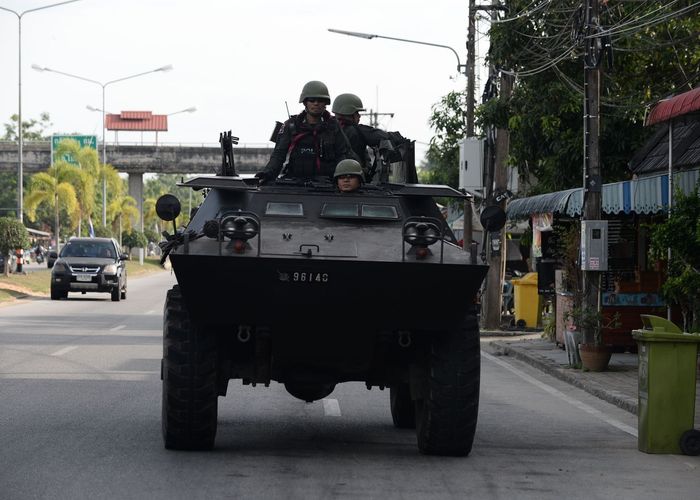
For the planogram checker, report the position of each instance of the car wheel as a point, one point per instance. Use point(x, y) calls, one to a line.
point(124, 294)
point(189, 371)
point(57, 294)
point(446, 413)
point(116, 295)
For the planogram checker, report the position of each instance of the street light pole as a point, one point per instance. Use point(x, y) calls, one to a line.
point(20, 134)
point(104, 137)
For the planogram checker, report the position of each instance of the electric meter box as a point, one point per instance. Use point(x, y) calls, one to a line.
point(471, 165)
point(594, 245)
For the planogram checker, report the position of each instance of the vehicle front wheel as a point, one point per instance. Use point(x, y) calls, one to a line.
point(189, 379)
point(116, 295)
point(447, 411)
point(57, 294)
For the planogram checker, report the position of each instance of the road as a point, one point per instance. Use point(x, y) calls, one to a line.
point(80, 418)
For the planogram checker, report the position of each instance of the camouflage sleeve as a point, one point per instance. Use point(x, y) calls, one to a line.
point(279, 154)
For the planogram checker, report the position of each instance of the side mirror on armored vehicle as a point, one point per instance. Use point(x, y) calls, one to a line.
point(493, 218)
point(168, 207)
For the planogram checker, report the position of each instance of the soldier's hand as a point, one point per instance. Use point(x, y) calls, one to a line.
point(263, 176)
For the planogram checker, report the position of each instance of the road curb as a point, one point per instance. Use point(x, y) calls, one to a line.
point(499, 348)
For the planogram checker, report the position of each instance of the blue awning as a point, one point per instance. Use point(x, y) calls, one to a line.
point(648, 195)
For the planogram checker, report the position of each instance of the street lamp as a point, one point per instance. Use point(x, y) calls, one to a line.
point(188, 110)
point(461, 68)
point(104, 138)
point(20, 169)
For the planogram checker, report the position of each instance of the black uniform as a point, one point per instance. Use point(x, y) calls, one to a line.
point(313, 149)
point(361, 136)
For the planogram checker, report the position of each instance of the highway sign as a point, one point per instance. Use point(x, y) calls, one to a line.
point(85, 141)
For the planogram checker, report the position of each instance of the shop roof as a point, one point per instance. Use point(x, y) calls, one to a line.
point(678, 105)
point(653, 156)
point(647, 195)
point(139, 121)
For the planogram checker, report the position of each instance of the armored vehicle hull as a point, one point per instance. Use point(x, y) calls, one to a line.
point(263, 272)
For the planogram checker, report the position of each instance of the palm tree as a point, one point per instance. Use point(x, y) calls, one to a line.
point(123, 209)
point(86, 181)
point(54, 188)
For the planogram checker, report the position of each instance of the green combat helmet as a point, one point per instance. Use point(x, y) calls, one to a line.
point(347, 104)
point(316, 89)
point(349, 167)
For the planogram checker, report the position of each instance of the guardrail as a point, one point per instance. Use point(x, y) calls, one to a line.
point(167, 144)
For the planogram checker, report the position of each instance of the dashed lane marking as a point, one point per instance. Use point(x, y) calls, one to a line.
point(554, 392)
point(65, 350)
point(117, 328)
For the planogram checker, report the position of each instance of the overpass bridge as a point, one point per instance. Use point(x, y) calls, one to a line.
point(136, 160)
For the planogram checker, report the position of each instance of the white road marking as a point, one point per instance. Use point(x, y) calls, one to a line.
point(152, 311)
point(331, 407)
point(554, 392)
point(65, 350)
point(117, 328)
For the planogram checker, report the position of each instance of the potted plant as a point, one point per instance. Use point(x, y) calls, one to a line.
point(596, 356)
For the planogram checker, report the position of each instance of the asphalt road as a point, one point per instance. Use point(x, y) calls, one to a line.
point(80, 418)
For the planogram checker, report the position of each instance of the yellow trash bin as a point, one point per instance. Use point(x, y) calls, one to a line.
point(526, 301)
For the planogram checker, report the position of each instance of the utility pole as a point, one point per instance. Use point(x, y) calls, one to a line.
point(374, 117)
point(498, 177)
point(592, 179)
point(468, 231)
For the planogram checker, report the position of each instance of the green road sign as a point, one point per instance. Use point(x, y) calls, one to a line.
point(85, 141)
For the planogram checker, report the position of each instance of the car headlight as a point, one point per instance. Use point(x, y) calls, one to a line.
point(60, 267)
point(110, 269)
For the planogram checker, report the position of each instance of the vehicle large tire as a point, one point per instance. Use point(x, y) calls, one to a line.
point(189, 380)
point(446, 414)
point(116, 295)
point(56, 294)
point(403, 410)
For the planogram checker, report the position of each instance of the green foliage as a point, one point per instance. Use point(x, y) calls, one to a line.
point(134, 239)
point(681, 233)
point(448, 120)
point(13, 235)
point(32, 130)
point(655, 54)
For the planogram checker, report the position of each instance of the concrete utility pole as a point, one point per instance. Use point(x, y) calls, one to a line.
point(592, 179)
point(493, 296)
point(468, 231)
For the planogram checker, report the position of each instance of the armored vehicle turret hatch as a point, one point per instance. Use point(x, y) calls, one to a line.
point(295, 282)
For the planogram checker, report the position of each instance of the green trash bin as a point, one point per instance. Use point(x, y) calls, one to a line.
point(667, 370)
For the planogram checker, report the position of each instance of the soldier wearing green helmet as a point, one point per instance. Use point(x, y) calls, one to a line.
point(348, 175)
point(346, 108)
point(311, 143)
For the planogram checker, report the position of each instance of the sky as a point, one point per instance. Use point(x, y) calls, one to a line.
point(236, 62)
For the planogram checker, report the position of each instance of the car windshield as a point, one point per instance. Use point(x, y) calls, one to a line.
point(88, 249)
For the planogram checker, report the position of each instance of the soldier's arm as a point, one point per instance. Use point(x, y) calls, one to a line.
point(279, 154)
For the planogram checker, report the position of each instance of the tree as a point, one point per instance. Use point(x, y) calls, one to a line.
point(681, 233)
point(655, 53)
point(32, 130)
point(13, 235)
point(447, 118)
point(135, 239)
point(55, 189)
point(122, 209)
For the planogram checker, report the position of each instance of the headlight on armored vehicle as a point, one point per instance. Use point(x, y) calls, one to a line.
point(421, 233)
point(239, 227)
point(110, 269)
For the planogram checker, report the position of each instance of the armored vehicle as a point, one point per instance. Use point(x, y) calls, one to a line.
point(295, 282)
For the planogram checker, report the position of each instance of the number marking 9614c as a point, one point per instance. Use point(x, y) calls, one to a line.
point(303, 277)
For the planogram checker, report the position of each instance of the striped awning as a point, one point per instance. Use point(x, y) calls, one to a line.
point(648, 195)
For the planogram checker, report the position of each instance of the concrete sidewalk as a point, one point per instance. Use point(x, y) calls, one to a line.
point(618, 385)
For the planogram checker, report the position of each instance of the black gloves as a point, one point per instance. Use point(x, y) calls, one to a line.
point(263, 176)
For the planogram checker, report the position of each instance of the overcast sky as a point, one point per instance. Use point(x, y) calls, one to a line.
point(236, 62)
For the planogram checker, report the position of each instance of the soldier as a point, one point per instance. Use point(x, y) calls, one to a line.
point(346, 108)
point(348, 176)
point(311, 142)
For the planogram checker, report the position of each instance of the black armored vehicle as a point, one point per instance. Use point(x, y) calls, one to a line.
point(295, 282)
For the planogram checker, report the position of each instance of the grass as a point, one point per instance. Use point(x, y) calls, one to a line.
point(39, 282)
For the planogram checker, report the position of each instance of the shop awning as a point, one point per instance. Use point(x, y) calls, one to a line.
point(678, 105)
point(648, 195)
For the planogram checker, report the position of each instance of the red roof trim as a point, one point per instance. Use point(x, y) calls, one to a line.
point(675, 106)
point(140, 121)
